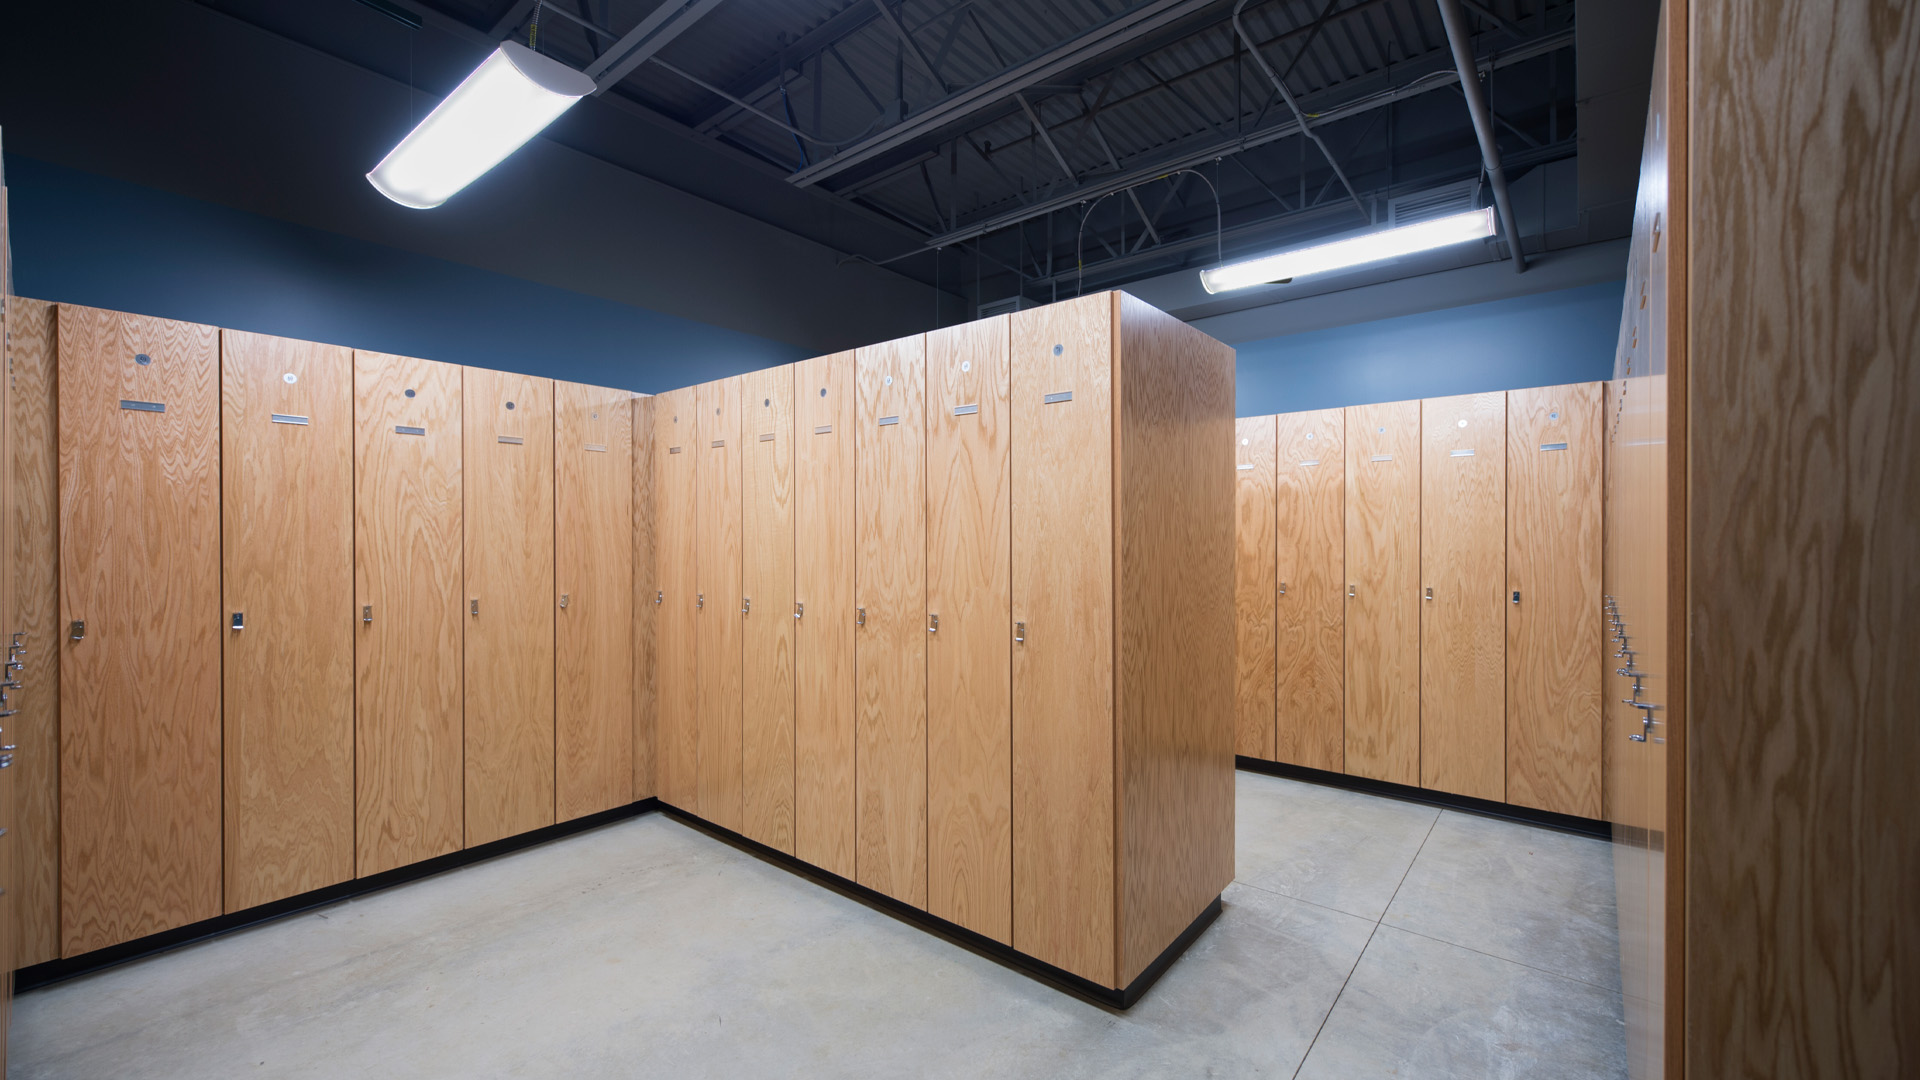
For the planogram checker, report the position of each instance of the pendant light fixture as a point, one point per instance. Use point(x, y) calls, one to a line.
point(1370, 247)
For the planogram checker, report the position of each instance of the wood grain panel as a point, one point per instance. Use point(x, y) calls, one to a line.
point(593, 559)
point(676, 433)
point(140, 847)
point(408, 662)
point(717, 603)
point(1310, 551)
point(969, 658)
point(1554, 625)
point(1174, 539)
point(34, 444)
point(1463, 560)
point(1063, 679)
point(288, 577)
point(824, 540)
point(767, 625)
point(890, 652)
point(1254, 591)
point(509, 576)
point(645, 600)
point(1383, 580)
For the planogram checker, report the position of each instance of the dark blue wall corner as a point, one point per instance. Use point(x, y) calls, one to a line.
point(1546, 339)
point(87, 239)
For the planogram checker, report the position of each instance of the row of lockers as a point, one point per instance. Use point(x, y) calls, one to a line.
point(1418, 594)
point(325, 613)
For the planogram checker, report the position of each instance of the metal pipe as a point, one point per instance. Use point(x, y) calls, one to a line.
point(1298, 116)
point(1456, 22)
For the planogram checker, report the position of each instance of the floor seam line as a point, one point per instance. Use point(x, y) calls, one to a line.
point(1310, 903)
point(1509, 960)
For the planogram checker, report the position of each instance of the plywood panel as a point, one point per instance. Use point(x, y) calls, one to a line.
point(1063, 580)
point(767, 622)
point(507, 424)
point(288, 579)
point(825, 533)
point(1463, 557)
point(717, 601)
point(140, 566)
point(969, 657)
point(890, 652)
point(35, 448)
point(676, 431)
point(1254, 594)
point(1383, 581)
point(1554, 621)
point(1310, 506)
point(1174, 542)
point(593, 558)
point(409, 589)
point(645, 600)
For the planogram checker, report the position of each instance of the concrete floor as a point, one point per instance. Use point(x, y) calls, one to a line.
point(1364, 937)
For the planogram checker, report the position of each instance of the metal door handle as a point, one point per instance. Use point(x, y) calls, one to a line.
point(1429, 592)
point(1516, 596)
point(9, 712)
point(473, 606)
point(239, 620)
point(1349, 592)
point(1283, 588)
point(933, 623)
point(860, 616)
point(366, 613)
point(78, 630)
point(1020, 631)
point(799, 609)
point(699, 601)
point(746, 604)
point(11, 684)
point(659, 596)
point(565, 599)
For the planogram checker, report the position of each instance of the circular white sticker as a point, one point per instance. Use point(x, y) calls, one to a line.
point(290, 378)
point(966, 365)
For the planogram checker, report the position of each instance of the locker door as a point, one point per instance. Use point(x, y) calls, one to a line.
point(408, 585)
point(1383, 588)
point(645, 589)
point(1463, 557)
point(766, 618)
point(287, 426)
point(1553, 598)
point(593, 500)
point(1311, 509)
point(1063, 611)
point(890, 651)
point(507, 421)
point(717, 602)
point(824, 536)
point(676, 728)
point(140, 740)
point(1254, 598)
point(969, 658)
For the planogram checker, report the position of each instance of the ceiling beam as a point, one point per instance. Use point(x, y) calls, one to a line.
point(655, 32)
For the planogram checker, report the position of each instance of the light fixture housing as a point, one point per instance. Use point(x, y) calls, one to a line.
point(511, 97)
point(1353, 251)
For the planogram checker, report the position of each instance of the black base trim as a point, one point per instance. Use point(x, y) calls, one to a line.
point(1546, 819)
point(69, 967)
point(979, 944)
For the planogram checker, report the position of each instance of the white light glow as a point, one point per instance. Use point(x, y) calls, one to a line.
point(1372, 247)
point(511, 97)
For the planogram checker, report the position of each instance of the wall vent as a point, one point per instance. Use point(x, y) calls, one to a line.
point(1434, 203)
point(1004, 307)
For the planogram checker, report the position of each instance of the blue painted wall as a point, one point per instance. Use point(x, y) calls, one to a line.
point(87, 239)
point(1546, 339)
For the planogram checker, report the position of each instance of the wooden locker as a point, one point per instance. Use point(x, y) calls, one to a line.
point(646, 599)
point(507, 425)
point(1063, 612)
point(767, 630)
point(1383, 589)
point(286, 428)
point(1553, 620)
point(140, 738)
point(408, 584)
point(1310, 504)
point(1254, 596)
point(824, 539)
point(717, 602)
point(890, 652)
point(593, 559)
point(1463, 641)
point(676, 718)
point(969, 663)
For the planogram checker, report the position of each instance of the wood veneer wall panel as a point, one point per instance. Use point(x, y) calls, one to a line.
point(646, 591)
point(825, 479)
point(140, 847)
point(1174, 543)
point(408, 568)
point(676, 432)
point(593, 558)
point(890, 654)
point(969, 658)
point(507, 462)
point(34, 437)
point(1310, 552)
point(1383, 574)
point(288, 577)
point(1254, 592)
point(767, 627)
point(717, 607)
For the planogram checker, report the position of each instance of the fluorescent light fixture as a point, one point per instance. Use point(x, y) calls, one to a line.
point(509, 98)
point(1353, 251)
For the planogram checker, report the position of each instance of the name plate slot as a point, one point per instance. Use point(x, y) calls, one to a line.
point(888, 420)
point(402, 429)
point(1553, 446)
point(673, 449)
point(1381, 457)
point(768, 437)
point(289, 418)
point(1310, 464)
point(823, 429)
point(965, 410)
point(596, 448)
point(1460, 453)
point(1246, 468)
point(143, 406)
point(1055, 399)
point(513, 440)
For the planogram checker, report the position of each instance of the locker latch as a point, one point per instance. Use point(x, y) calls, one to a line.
point(699, 600)
point(860, 616)
point(1429, 592)
point(1516, 596)
point(659, 596)
point(1283, 588)
point(366, 613)
point(746, 605)
point(239, 620)
point(799, 609)
point(78, 630)
point(473, 606)
point(565, 598)
point(1020, 631)
point(933, 623)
